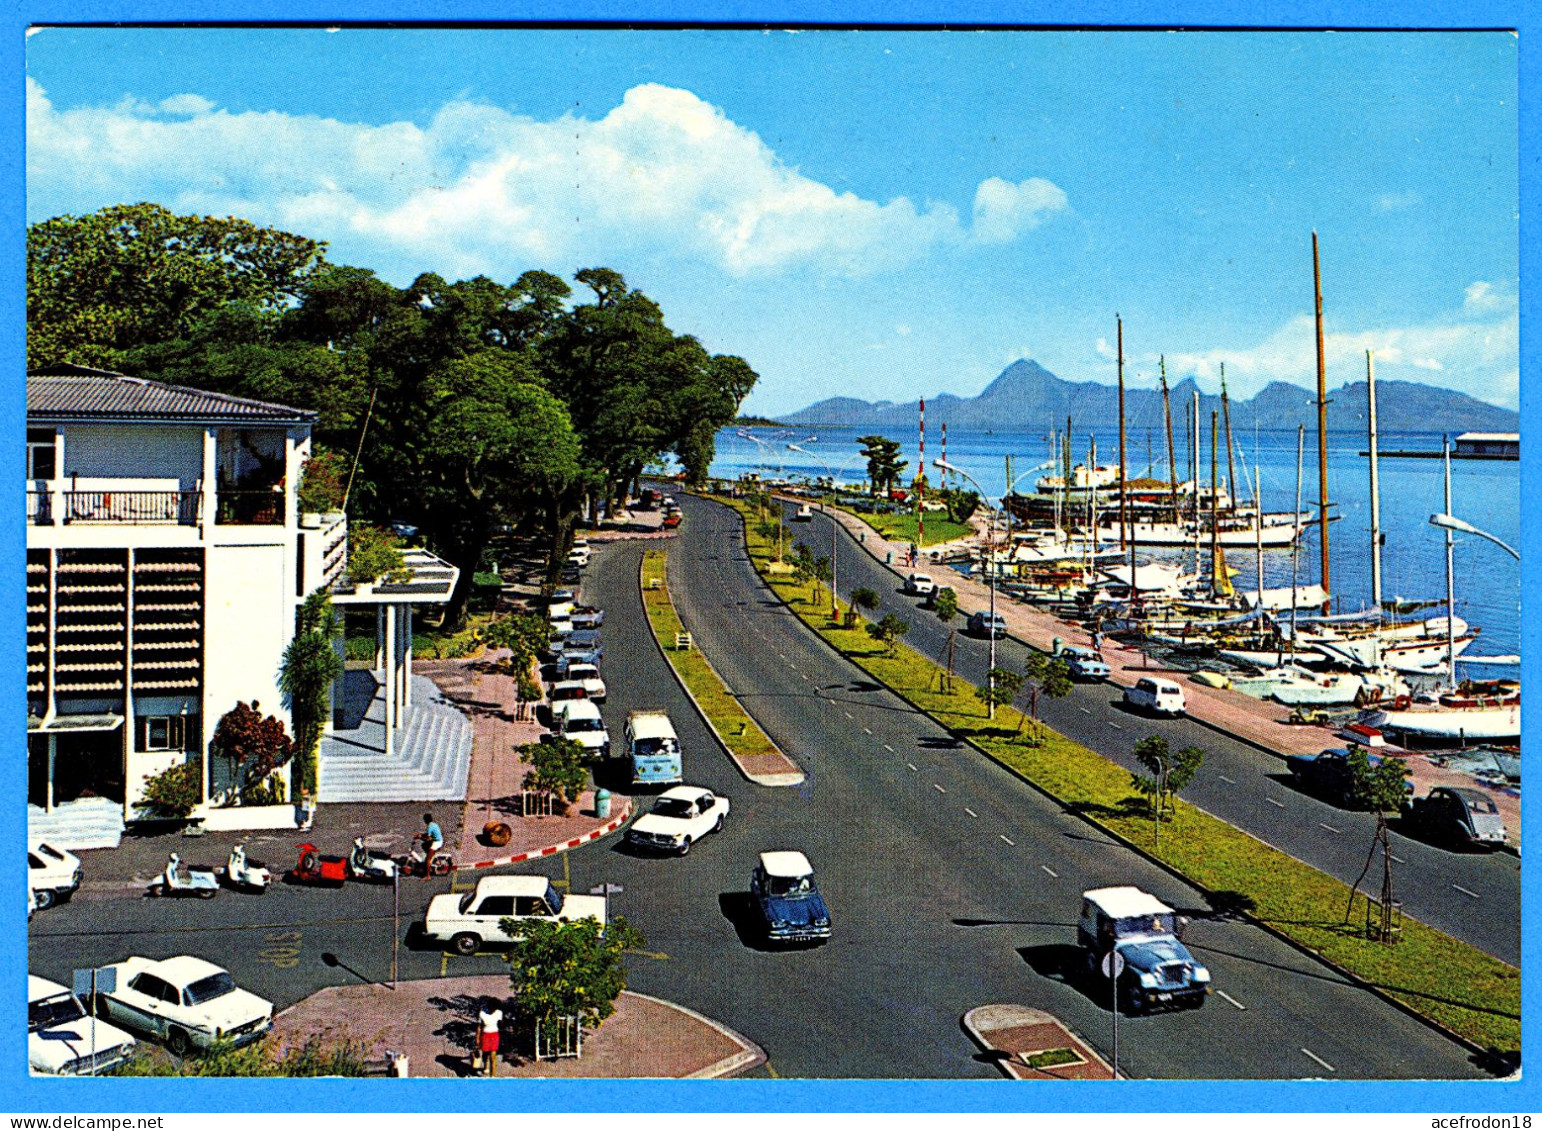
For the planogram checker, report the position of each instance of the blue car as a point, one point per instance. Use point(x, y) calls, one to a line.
point(788, 899)
point(1084, 663)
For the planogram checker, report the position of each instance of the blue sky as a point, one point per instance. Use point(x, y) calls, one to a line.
point(883, 215)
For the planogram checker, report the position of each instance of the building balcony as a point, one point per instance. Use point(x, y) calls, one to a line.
point(138, 508)
point(250, 508)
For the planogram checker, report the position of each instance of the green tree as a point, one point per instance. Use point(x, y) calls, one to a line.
point(888, 631)
point(864, 598)
point(525, 635)
point(808, 569)
point(883, 463)
point(1166, 774)
point(307, 672)
point(255, 743)
point(556, 767)
point(1000, 691)
point(130, 275)
point(960, 503)
point(1048, 675)
point(771, 531)
point(1381, 787)
point(567, 969)
point(945, 604)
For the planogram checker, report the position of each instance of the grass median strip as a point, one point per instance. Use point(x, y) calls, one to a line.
point(1449, 981)
point(738, 731)
point(902, 527)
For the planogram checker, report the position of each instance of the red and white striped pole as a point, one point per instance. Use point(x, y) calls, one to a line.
point(921, 486)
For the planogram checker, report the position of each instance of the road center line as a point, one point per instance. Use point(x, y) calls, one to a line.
point(1464, 891)
point(1330, 828)
point(938, 788)
point(1399, 859)
point(971, 812)
point(1116, 726)
point(1053, 874)
point(1276, 804)
point(1084, 710)
point(912, 765)
point(1226, 779)
point(889, 748)
point(1319, 1059)
point(867, 730)
point(1008, 839)
point(1234, 1001)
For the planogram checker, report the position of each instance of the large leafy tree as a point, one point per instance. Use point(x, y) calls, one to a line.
point(567, 969)
point(133, 275)
point(883, 463)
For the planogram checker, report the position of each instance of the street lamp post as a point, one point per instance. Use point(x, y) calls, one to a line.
point(835, 540)
point(990, 579)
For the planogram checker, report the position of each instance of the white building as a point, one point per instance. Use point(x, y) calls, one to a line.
point(165, 560)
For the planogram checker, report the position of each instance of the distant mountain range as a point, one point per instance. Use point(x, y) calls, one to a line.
point(1026, 397)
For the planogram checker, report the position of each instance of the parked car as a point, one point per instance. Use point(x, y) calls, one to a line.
point(579, 557)
point(805, 513)
point(1156, 695)
point(920, 585)
point(63, 1040)
point(53, 874)
point(1086, 664)
point(184, 1001)
point(402, 529)
point(1328, 775)
point(1158, 968)
point(788, 900)
point(569, 658)
point(565, 690)
point(1464, 818)
point(680, 817)
point(569, 596)
point(580, 721)
point(559, 610)
point(987, 624)
point(561, 629)
point(671, 519)
point(587, 616)
point(587, 676)
point(470, 921)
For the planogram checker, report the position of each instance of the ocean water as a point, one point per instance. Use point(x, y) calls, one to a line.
point(1485, 493)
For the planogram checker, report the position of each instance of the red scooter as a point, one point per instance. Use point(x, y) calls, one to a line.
point(314, 867)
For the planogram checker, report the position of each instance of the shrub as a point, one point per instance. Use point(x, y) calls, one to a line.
point(322, 483)
point(175, 792)
point(257, 745)
point(556, 767)
point(375, 554)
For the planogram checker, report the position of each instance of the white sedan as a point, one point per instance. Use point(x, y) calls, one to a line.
point(589, 676)
point(185, 1001)
point(62, 1040)
point(680, 817)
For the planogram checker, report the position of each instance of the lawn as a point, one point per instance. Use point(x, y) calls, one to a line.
point(902, 527)
point(1446, 980)
point(741, 733)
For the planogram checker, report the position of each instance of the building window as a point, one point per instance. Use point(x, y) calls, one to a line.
point(42, 451)
point(162, 732)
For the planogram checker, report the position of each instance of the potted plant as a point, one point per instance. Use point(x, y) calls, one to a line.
point(321, 487)
point(375, 555)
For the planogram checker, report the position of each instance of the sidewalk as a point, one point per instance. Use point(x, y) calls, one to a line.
point(1256, 721)
point(1010, 1034)
point(433, 1023)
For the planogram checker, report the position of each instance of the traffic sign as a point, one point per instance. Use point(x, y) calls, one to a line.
point(1113, 964)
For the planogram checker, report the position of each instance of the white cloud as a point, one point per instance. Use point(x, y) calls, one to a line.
point(1474, 349)
point(481, 189)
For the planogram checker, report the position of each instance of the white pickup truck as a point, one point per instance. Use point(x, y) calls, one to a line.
point(468, 922)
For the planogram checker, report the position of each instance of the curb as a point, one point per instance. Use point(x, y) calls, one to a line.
point(1353, 978)
point(783, 779)
point(749, 1055)
point(979, 1037)
point(537, 853)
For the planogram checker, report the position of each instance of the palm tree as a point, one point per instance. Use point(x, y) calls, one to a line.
point(310, 666)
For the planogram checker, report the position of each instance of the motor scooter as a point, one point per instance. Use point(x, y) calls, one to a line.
point(419, 862)
point(244, 873)
point(365, 865)
point(314, 867)
point(201, 882)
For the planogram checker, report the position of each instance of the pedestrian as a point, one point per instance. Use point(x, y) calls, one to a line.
point(489, 1035)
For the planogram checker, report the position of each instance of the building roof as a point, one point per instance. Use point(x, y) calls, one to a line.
point(1491, 437)
point(74, 392)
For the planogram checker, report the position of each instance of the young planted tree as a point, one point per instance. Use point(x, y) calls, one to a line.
point(888, 631)
point(864, 599)
point(1000, 691)
point(945, 605)
point(1049, 675)
point(556, 768)
point(771, 531)
point(1168, 774)
point(309, 668)
point(525, 635)
point(1380, 787)
point(561, 970)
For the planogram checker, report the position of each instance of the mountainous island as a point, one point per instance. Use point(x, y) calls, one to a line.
point(1026, 396)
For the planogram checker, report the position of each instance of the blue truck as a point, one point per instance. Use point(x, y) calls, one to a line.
point(1158, 970)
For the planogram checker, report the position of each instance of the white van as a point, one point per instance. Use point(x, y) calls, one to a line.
point(1157, 695)
point(579, 720)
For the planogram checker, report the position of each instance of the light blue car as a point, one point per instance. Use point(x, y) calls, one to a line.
point(1085, 664)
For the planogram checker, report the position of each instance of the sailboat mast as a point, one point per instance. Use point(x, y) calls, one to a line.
point(1322, 428)
point(1124, 514)
point(1258, 543)
point(1215, 516)
point(1167, 416)
point(1370, 386)
point(1295, 546)
point(1445, 443)
point(1194, 476)
point(1231, 466)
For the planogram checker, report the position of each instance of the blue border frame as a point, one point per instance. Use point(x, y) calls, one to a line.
point(20, 1094)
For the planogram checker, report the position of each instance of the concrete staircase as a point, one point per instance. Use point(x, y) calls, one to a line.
point(91, 822)
point(430, 760)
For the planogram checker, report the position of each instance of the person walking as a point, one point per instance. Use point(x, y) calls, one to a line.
point(489, 1035)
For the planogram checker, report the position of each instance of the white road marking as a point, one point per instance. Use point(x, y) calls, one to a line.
point(1008, 839)
point(1399, 859)
point(889, 748)
point(1276, 804)
point(1084, 710)
point(867, 730)
point(1464, 891)
point(1234, 1001)
point(1330, 828)
point(970, 811)
point(1116, 726)
point(1226, 779)
point(938, 788)
point(1053, 874)
point(846, 713)
point(912, 765)
point(1319, 1060)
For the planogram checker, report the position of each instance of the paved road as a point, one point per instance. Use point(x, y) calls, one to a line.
point(951, 883)
point(1475, 897)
